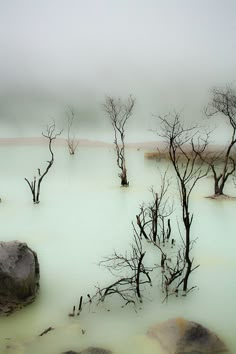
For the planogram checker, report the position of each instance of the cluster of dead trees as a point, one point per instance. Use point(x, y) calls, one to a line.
point(153, 236)
point(158, 252)
point(222, 163)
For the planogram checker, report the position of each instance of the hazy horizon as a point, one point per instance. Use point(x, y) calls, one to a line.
point(58, 53)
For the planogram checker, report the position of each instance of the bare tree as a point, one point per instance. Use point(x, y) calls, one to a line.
point(134, 271)
point(223, 164)
point(141, 266)
point(35, 185)
point(72, 142)
point(153, 219)
point(184, 147)
point(131, 271)
point(154, 225)
point(119, 112)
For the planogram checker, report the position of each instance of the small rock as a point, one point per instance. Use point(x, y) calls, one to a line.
point(90, 350)
point(180, 336)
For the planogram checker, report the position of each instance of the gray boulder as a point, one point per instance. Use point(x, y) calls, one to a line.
point(19, 276)
point(180, 336)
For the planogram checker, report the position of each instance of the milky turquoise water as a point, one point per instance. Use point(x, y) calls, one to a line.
point(83, 216)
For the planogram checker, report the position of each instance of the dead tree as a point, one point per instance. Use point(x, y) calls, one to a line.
point(142, 265)
point(72, 142)
point(153, 220)
point(131, 272)
point(35, 185)
point(154, 225)
point(223, 164)
point(184, 147)
point(119, 113)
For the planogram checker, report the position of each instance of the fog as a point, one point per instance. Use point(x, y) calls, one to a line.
point(58, 53)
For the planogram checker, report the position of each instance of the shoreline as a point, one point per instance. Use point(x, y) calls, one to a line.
point(38, 141)
point(155, 148)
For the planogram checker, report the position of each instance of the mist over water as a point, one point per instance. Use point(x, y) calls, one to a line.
point(84, 216)
point(58, 53)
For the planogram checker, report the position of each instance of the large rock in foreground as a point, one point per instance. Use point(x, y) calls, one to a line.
point(19, 276)
point(179, 336)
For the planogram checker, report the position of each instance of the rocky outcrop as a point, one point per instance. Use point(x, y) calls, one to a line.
point(90, 350)
point(179, 336)
point(19, 276)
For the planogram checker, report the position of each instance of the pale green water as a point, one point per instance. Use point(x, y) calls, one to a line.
point(83, 216)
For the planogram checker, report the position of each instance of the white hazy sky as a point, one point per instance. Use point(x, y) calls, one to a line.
point(166, 53)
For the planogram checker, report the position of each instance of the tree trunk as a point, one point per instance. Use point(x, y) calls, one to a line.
point(219, 187)
point(123, 177)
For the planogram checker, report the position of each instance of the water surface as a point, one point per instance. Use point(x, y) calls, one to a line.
point(83, 216)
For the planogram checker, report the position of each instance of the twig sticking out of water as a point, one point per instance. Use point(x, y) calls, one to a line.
point(72, 313)
point(80, 305)
point(46, 331)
